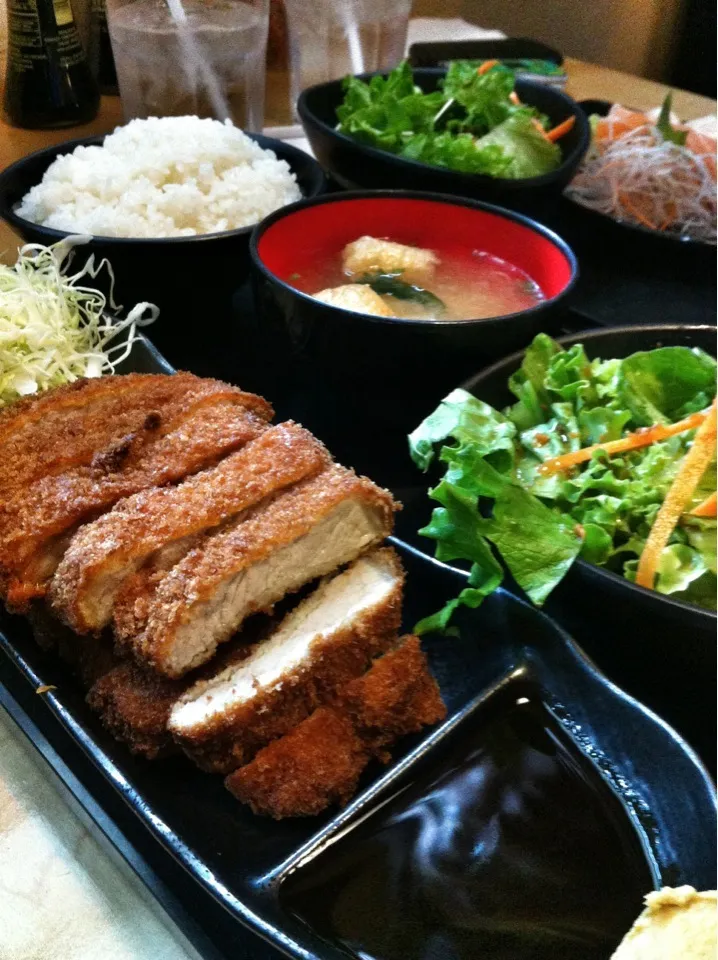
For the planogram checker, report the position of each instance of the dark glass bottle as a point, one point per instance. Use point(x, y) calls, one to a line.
point(49, 82)
point(99, 50)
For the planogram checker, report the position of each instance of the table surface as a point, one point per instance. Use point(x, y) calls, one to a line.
point(62, 896)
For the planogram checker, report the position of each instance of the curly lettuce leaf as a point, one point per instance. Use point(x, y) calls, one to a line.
point(463, 418)
point(457, 528)
point(460, 152)
point(494, 494)
point(531, 153)
point(484, 97)
point(528, 384)
point(664, 385)
point(537, 544)
point(445, 128)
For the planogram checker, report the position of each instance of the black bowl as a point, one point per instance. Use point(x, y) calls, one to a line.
point(353, 164)
point(363, 381)
point(599, 230)
point(191, 279)
point(661, 649)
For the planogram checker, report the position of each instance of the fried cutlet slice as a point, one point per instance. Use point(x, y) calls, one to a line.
point(35, 530)
point(316, 764)
point(301, 534)
point(88, 658)
point(134, 705)
point(52, 431)
point(397, 696)
point(103, 554)
point(330, 637)
point(320, 761)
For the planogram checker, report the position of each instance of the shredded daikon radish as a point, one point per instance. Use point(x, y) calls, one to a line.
point(52, 330)
point(641, 178)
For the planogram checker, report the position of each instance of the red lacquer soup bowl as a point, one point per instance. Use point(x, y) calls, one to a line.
point(345, 365)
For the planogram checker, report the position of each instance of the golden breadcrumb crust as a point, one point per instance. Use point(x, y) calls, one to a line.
point(134, 705)
point(137, 526)
point(227, 740)
point(66, 427)
point(163, 450)
point(192, 583)
point(320, 761)
point(315, 765)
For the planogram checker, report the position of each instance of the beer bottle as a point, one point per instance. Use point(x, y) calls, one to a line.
point(49, 82)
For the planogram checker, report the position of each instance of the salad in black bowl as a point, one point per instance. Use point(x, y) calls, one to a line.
point(575, 538)
point(610, 460)
point(472, 130)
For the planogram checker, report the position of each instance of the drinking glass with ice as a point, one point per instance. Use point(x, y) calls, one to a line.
point(203, 57)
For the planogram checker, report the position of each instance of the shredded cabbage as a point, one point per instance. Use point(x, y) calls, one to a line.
point(52, 329)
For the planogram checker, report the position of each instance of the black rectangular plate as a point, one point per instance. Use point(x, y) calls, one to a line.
point(217, 868)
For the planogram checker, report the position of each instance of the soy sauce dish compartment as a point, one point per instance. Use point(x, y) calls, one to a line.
point(513, 846)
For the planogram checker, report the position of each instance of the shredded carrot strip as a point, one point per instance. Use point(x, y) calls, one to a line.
point(486, 66)
point(633, 441)
point(705, 509)
point(538, 126)
point(692, 468)
point(623, 199)
point(514, 98)
point(559, 131)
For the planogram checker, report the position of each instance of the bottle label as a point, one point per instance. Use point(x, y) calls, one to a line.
point(25, 36)
point(28, 38)
point(63, 12)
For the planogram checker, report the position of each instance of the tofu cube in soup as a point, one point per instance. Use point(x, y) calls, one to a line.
point(368, 255)
point(357, 297)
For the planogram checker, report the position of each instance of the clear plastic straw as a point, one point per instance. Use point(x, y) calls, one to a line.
point(195, 63)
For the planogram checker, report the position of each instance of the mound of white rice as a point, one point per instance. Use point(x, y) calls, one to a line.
point(168, 177)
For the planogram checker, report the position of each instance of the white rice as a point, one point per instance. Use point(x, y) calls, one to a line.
point(168, 177)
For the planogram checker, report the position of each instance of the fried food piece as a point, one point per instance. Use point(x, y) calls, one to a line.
point(134, 705)
point(303, 533)
point(367, 255)
point(396, 697)
point(321, 760)
point(329, 638)
point(315, 765)
point(357, 297)
point(89, 659)
point(50, 432)
point(103, 554)
point(35, 529)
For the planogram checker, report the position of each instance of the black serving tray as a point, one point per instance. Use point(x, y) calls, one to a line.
point(218, 869)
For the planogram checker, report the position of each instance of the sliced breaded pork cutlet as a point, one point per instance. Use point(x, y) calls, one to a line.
point(316, 764)
point(299, 535)
point(157, 523)
point(172, 442)
point(328, 639)
point(320, 761)
point(52, 431)
point(134, 705)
